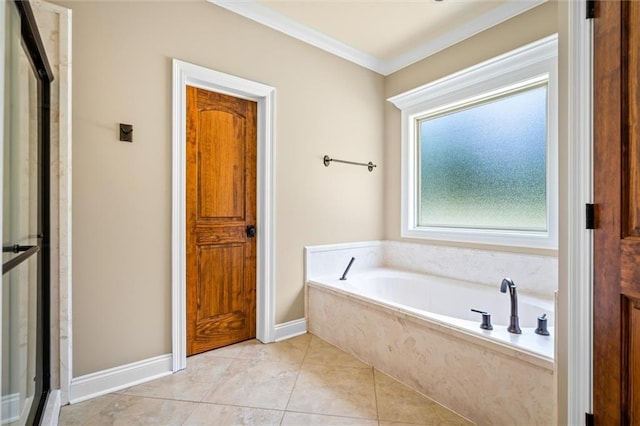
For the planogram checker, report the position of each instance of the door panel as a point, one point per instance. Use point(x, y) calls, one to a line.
point(221, 204)
point(617, 197)
point(632, 75)
point(633, 313)
point(220, 290)
point(221, 172)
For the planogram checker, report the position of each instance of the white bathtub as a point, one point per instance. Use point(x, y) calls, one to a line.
point(419, 328)
point(449, 302)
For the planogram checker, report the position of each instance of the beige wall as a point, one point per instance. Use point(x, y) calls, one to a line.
point(122, 55)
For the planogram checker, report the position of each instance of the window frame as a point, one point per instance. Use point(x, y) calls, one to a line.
point(534, 62)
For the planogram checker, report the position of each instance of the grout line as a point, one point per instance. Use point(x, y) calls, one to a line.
point(243, 406)
point(161, 398)
point(306, 351)
point(217, 381)
point(329, 415)
point(375, 394)
point(191, 413)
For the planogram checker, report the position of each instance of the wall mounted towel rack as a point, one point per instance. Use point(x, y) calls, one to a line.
point(327, 160)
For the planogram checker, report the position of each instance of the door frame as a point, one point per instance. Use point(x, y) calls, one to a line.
point(578, 301)
point(185, 74)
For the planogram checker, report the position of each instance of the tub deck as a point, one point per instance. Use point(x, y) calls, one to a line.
point(448, 302)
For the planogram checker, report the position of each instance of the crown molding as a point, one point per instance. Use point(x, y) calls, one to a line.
point(267, 16)
point(481, 23)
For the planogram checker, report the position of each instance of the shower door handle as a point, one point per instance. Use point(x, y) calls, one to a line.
point(251, 231)
point(15, 248)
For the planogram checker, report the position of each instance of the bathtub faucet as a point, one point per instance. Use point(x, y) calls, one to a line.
point(514, 326)
point(346, 271)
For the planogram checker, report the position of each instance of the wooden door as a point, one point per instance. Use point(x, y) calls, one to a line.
point(617, 196)
point(220, 210)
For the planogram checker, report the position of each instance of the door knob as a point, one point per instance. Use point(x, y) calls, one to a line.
point(251, 231)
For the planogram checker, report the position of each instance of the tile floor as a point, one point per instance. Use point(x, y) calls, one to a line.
point(300, 381)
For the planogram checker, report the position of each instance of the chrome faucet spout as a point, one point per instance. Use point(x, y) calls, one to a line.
point(514, 322)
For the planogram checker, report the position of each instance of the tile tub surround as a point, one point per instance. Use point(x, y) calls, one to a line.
point(331, 260)
point(534, 274)
point(449, 302)
point(488, 383)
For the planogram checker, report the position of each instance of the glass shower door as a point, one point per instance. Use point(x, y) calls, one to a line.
point(21, 227)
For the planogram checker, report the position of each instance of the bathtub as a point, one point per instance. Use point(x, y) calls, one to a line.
point(449, 302)
point(419, 328)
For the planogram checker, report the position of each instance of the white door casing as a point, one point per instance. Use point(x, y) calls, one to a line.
point(193, 75)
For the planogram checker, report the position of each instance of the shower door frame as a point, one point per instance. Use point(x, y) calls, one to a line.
point(34, 48)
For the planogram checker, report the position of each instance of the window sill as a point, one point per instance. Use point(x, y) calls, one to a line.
point(518, 239)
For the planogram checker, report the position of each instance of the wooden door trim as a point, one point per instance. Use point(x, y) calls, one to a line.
point(193, 75)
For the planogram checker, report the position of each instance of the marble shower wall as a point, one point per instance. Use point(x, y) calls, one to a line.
point(331, 260)
point(54, 24)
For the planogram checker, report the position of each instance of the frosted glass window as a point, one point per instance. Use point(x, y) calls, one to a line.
point(484, 165)
point(480, 152)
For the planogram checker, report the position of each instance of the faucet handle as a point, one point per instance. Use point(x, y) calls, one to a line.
point(486, 319)
point(542, 326)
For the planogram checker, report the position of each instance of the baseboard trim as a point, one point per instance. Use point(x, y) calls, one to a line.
point(118, 378)
point(51, 409)
point(290, 329)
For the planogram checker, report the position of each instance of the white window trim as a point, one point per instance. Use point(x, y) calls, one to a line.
point(535, 60)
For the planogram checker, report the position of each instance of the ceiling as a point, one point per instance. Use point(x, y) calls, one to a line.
point(382, 35)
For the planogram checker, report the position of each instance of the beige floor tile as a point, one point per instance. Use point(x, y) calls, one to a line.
point(290, 350)
point(298, 419)
point(192, 384)
point(338, 391)
point(233, 351)
point(321, 352)
point(386, 423)
point(214, 414)
point(398, 403)
point(80, 413)
point(205, 363)
point(252, 383)
point(128, 410)
point(178, 386)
